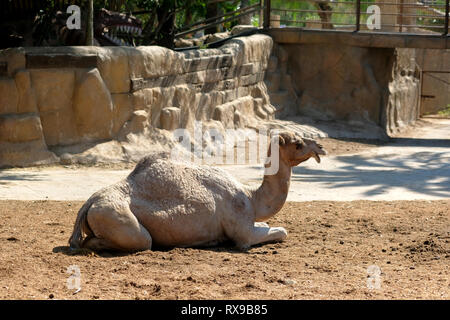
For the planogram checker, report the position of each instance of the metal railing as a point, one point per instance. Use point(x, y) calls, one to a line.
point(411, 16)
point(220, 19)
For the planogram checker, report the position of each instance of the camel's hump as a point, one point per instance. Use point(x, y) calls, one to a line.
point(164, 175)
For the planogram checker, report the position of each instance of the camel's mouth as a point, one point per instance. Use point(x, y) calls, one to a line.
point(318, 151)
point(316, 156)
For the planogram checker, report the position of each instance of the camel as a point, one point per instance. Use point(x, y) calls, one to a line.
point(169, 203)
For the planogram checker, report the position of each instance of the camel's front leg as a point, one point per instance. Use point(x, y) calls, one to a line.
point(261, 233)
point(261, 224)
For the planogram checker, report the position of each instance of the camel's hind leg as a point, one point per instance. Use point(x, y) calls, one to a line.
point(116, 229)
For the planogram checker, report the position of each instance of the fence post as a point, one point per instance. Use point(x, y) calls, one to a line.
point(401, 16)
point(447, 9)
point(90, 24)
point(261, 14)
point(358, 15)
point(266, 14)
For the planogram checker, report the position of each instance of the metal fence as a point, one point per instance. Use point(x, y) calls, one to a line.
point(411, 16)
point(221, 19)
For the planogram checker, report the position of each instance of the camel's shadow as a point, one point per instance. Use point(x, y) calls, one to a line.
point(228, 247)
point(68, 251)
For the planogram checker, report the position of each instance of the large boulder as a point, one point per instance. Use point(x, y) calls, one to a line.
point(9, 97)
point(54, 89)
point(93, 107)
point(16, 128)
point(27, 98)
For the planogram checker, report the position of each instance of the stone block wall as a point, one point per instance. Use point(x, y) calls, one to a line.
point(435, 85)
point(360, 86)
point(55, 98)
point(401, 104)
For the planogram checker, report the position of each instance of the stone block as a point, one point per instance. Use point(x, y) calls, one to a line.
point(142, 99)
point(53, 88)
point(170, 118)
point(9, 96)
point(114, 69)
point(137, 124)
point(123, 110)
point(224, 114)
point(157, 104)
point(217, 37)
point(27, 98)
point(15, 58)
point(240, 28)
point(59, 127)
point(153, 61)
point(244, 105)
point(31, 153)
point(20, 128)
point(93, 107)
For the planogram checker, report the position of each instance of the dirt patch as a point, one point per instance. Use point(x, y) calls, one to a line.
point(327, 255)
point(337, 147)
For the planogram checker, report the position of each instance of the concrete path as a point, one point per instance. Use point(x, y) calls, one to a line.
point(406, 169)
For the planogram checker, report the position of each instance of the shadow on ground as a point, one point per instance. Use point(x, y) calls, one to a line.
point(7, 177)
point(414, 142)
point(226, 246)
point(421, 172)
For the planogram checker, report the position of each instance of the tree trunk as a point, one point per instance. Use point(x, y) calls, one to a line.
point(188, 13)
point(166, 24)
point(211, 12)
point(247, 19)
point(90, 24)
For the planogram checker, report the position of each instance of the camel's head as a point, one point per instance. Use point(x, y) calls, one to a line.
point(295, 150)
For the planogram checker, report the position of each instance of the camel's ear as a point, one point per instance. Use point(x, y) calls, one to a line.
point(281, 142)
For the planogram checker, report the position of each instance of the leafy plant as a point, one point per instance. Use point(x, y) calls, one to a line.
point(445, 112)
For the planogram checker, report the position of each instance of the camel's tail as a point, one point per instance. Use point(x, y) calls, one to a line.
point(81, 225)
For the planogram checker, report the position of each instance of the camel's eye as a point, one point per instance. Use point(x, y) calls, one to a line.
point(299, 146)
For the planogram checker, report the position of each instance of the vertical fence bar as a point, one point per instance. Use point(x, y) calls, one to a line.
point(358, 15)
point(447, 9)
point(266, 13)
point(261, 14)
point(401, 16)
point(419, 94)
point(90, 24)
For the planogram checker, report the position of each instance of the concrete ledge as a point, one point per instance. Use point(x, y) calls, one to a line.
point(358, 39)
point(62, 60)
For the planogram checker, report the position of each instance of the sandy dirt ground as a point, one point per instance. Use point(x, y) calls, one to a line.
point(334, 250)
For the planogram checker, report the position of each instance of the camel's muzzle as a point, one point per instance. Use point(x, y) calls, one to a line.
point(318, 151)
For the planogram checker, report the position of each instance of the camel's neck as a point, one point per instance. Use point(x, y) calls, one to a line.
point(270, 197)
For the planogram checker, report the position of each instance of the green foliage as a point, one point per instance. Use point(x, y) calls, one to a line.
point(156, 15)
point(343, 13)
point(445, 112)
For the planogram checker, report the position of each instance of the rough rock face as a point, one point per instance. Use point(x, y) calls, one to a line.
point(435, 85)
point(61, 101)
point(403, 96)
point(361, 86)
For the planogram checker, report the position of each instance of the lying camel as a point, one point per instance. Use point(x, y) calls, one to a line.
point(171, 203)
